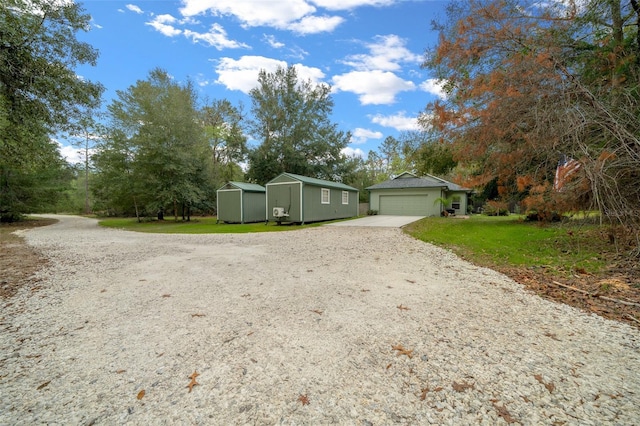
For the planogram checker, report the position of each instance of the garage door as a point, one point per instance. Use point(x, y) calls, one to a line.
point(404, 205)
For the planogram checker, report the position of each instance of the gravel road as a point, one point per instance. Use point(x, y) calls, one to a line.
point(362, 326)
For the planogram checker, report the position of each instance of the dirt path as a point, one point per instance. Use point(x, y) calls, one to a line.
point(323, 325)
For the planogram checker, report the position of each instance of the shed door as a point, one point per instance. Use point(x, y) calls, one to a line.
point(404, 205)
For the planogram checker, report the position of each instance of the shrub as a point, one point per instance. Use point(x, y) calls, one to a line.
point(495, 208)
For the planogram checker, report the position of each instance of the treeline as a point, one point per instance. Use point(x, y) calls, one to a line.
point(543, 102)
point(541, 113)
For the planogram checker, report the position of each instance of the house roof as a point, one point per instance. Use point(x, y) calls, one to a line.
point(409, 180)
point(317, 182)
point(249, 187)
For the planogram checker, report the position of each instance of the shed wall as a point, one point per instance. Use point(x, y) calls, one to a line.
point(229, 205)
point(285, 194)
point(315, 211)
point(253, 204)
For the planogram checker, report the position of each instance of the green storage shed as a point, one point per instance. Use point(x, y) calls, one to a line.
point(301, 199)
point(240, 202)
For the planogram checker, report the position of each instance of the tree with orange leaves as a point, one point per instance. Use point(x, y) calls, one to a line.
point(531, 82)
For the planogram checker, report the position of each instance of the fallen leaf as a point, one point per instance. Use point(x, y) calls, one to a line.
point(402, 308)
point(552, 335)
point(423, 395)
point(402, 351)
point(193, 382)
point(120, 371)
point(166, 295)
point(140, 394)
point(461, 387)
point(550, 386)
point(103, 291)
point(198, 315)
point(44, 385)
point(502, 412)
point(303, 399)
point(364, 290)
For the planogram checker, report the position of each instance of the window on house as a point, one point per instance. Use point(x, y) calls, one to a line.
point(345, 197)
point(455, 202)
point(324, 196)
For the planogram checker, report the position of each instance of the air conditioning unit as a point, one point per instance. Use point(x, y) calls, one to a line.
point(279, 212)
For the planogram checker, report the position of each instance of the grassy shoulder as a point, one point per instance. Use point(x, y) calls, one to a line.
point(575, 262)
point(507, 241)
point(199, 225)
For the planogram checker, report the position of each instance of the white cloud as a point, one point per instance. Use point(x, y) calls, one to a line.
point(372, 87)
point(164, 25)
point(385, 53)
point(70, 153)
point(134, 8)
point(252, 13)
point(351, 152)
point(316, 24)
point(271, 41)
point(242, 74)
point(216, 37)
point(398, 121)
point(309, 73)
point(350, 4)
point(292, 15)
point(360, 135)
point(435, 87)
point(298, 53)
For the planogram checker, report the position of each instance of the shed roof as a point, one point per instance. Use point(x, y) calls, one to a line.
point(249, 187)
point(409, 180)
point(317, 182)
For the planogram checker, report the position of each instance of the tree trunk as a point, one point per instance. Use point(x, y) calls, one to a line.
point(175, 210)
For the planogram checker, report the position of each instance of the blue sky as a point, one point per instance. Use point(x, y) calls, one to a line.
point(369, 51)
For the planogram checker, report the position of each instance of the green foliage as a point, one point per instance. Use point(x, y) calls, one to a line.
point(291, 119)
point(33, 186)
point(426, 154)
point(40, 94)
point(223, 130)
point(156, 157)
point(201, 225)
point(508, 241)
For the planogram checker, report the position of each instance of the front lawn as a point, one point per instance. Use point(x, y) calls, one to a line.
point(197, 225)
point(562, 248)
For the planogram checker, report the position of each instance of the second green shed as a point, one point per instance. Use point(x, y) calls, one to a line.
point(240, 202)
point(300, 199)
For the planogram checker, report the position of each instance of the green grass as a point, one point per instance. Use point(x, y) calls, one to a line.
point(509, 241)
point(200, 225)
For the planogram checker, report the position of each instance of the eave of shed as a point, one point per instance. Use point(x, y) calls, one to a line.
point(248, 187)
point(318, 182)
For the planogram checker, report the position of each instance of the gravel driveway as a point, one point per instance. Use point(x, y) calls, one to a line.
point(362, 326)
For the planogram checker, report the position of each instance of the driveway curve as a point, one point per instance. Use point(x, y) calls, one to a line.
point(384, 221)
point(316, 326)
